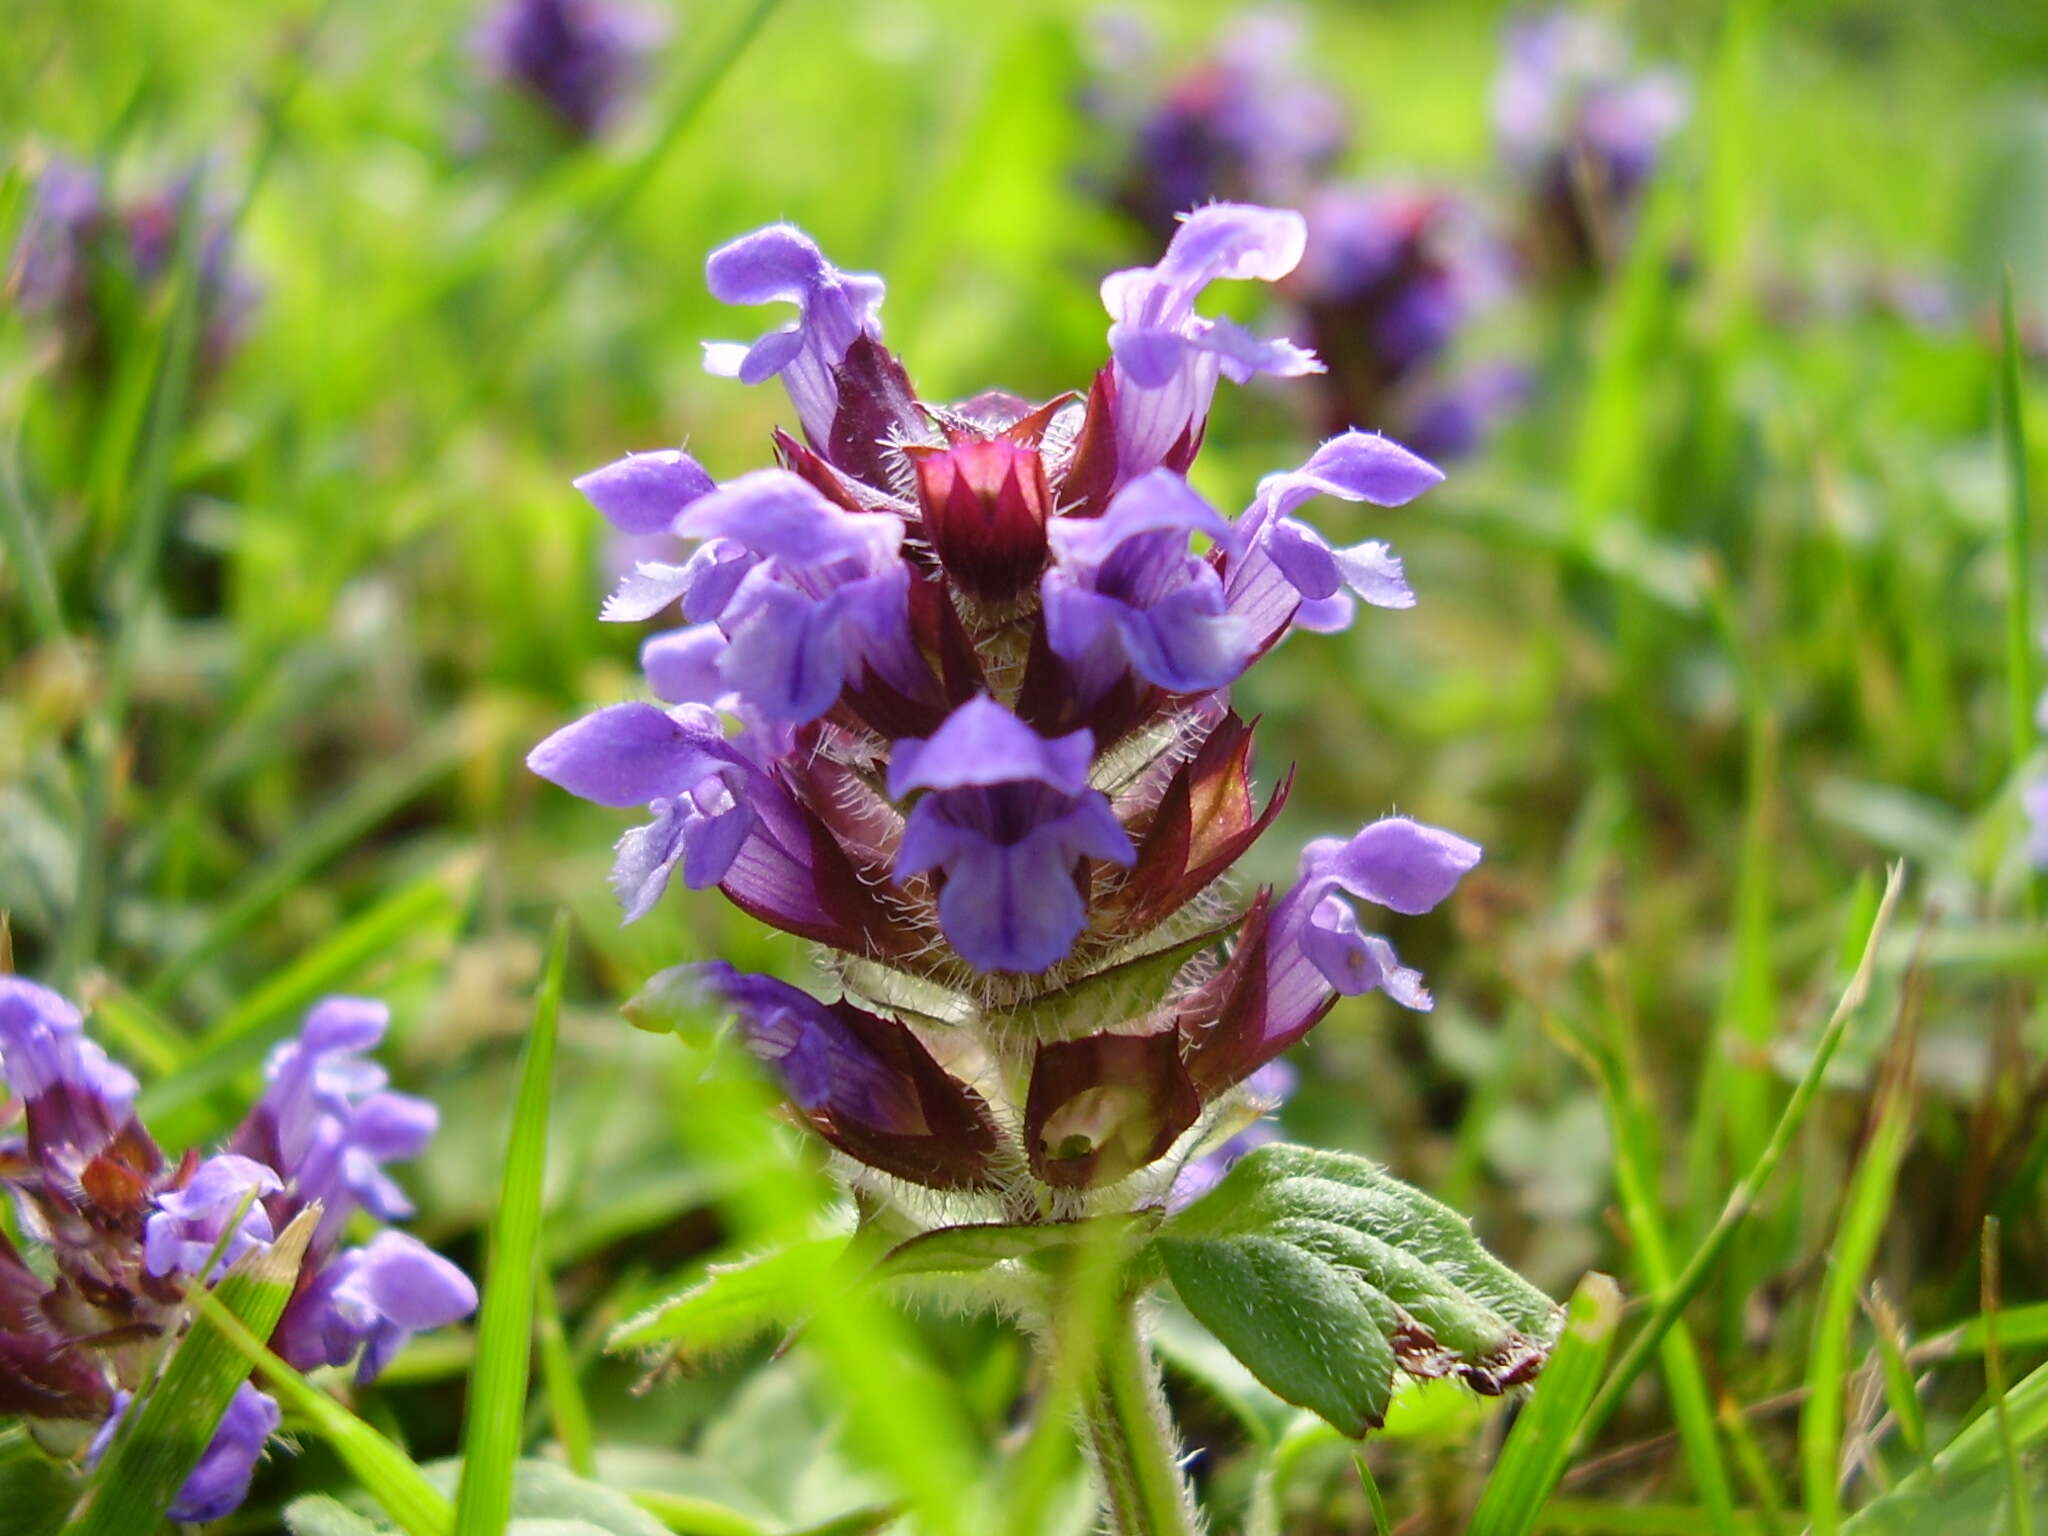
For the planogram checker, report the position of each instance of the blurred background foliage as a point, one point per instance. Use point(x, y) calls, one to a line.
point(1715, 628)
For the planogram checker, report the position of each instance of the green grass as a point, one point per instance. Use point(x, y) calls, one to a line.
point(1741, 612)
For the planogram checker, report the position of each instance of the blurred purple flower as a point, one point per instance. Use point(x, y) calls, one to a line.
point(1247, 123)
point(581, 61)
point(1392, 276)
point(1582, 129)
point(85, 260)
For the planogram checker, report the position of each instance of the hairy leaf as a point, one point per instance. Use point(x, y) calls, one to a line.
point(1322, 1274)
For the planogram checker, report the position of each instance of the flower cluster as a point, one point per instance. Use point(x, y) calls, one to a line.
point(1582, 131)
point(577, 60)
point(1394, 271)
point(84, 259)
point(951, 700)
point(125, 1230)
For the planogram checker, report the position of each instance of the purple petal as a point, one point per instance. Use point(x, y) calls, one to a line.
point(627, 754)
point(682, 665)
point(1395, 863)
point(1012, 908)
point(786, 659)
point(982, 743)
point(649, 588)
point(1156, 502)
point(1356, 466)
point(1374, 572)
point(396, 1286)
point(644, 492)
point(781, 515)
point(1355, 962)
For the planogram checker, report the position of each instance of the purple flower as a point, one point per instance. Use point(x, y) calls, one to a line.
point(76, 1097)
point(1006, 817)
point(1282, 571)
point(189, 1223)
point(1582, 128)
point(1453, 420)
point(1167, 358)
point(120, 1226)
point(389, 1289)
point(1396, 863)
point(677, 764)
point(220, 1481)
point(807, 594)
point(1245, 123)
point(578, 59)
point(782, 264)
point(867, 1084)
point(1124, 592)
point(978, 655)
point(76, 230)
point(681, 666)
point(318, 1076)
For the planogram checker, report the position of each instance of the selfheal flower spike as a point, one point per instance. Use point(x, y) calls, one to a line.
point(123, 1232)
point(951, 701)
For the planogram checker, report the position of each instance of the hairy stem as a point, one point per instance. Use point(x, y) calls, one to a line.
point(1131, 1439)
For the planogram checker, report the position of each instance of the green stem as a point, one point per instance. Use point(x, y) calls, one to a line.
point(1131, 1440)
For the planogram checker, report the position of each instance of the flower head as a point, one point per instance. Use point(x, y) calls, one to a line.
point(126, 1230)
point(951, 701)
point(77, 229)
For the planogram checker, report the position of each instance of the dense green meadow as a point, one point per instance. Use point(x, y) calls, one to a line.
point(1726, 651)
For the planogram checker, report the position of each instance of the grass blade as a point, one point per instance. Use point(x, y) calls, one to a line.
point(565, 1394)
point(2019, 556)
point(2019, 1500)
point(1538, 1446)
point(164, 1434)
point(497, 1391)
point(1865, 1210)
point(385, 1472)
point(1742, 1201)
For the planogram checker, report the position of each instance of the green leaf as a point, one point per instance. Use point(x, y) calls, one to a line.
point(319, 1515)
point(164, 1434)
point(543, 1500)
point(36, 1492)
point(1537, 1447)
point(966, 1249)
point(735, 1302)
point(1322, 1274)
point(497, 1391)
